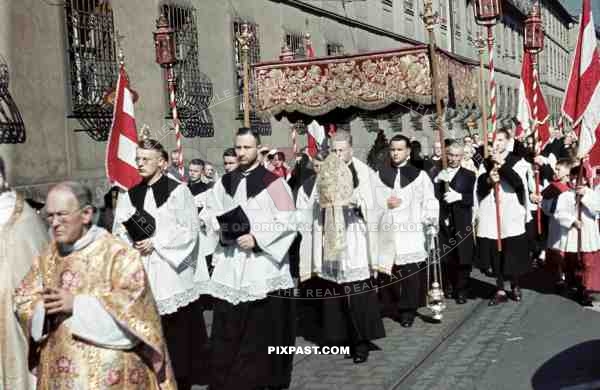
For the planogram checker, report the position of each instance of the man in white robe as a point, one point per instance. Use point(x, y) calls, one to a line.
point(250, 210)
point(506, 169)
point(158, 217)
point(342, 203)
point(409, 208)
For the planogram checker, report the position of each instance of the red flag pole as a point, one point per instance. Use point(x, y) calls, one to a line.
point(536, 167)
point(578, 208)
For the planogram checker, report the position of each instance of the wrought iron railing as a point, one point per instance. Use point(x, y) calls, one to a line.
point(92, 63)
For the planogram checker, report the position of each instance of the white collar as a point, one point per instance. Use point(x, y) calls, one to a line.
point(93, 234)
point(8, 200)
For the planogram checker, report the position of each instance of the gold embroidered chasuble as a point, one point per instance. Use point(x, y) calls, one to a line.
point(112, 273)
point(22, 237)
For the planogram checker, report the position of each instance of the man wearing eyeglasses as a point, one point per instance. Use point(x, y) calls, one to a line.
point(158, 217)
point(87, 305)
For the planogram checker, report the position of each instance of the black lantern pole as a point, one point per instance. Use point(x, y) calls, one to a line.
point(164, 44)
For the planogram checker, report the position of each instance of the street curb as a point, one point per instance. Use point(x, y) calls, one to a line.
point(443, 336)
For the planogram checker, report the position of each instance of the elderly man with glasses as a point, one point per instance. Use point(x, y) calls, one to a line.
point(87, 305)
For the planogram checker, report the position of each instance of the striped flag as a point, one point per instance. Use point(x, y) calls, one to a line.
point(532, 105)
point(581, 104)
point(121, 168)
point(316, 137)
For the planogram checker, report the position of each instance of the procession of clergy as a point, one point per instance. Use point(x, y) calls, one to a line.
point(345, 245)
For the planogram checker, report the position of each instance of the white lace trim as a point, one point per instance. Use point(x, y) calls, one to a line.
point(174, 302)
point(235, 296)
point(408, 258)
point(351, 275)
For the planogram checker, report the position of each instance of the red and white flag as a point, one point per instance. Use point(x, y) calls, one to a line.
point(316, 137)
point(581, 104)
point(121, 168)
point(532, 105)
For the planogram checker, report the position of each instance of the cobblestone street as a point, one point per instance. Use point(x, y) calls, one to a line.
point(544, 342)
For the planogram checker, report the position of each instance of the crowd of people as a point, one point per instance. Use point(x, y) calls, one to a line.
point(326, 248)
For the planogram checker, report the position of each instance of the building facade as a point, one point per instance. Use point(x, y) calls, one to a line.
point(62, 59)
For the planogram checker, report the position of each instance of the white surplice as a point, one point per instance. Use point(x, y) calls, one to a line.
point(562, 235)
point(514, 215)
point(246, 275)
point(176, 268)
point(402, 230)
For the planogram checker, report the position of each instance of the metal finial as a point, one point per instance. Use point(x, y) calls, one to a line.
point(118, 39)
point(144, 132)
point(430, 18)
point(479, 42)
point(245, 36)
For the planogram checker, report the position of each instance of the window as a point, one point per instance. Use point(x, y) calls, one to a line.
point(295, 41)
point(193, 88)
point(506, 37)
point(335, 49)
point(387, 14)
point(470, 22)
point(520, 46)
point(499, 38)
point(262, 126)
point(512, 36)
point(409, 7)
point(457, 19)
point(509, 107)
point(501, 101)
point(92, 63)
point(444, 14)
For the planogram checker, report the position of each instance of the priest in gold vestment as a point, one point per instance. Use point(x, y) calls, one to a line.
point(22, 236)
point(88, 308)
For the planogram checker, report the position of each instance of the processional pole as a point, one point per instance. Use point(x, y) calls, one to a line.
point(479, 43)
point(244, 38)
point(435, 296)
point(487, 13)
point(533, 43)
point(164, 44)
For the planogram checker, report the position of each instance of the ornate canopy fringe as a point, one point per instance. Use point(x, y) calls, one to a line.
point(368, 81)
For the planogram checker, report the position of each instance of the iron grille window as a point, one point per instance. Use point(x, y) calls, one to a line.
point(262, 126)
point(335, 49)
point(295, 41)
point(92, 63)
point(193, 88)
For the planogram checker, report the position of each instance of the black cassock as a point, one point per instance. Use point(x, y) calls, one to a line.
point(456, 238)
point(513, 261)
point(242, 333)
